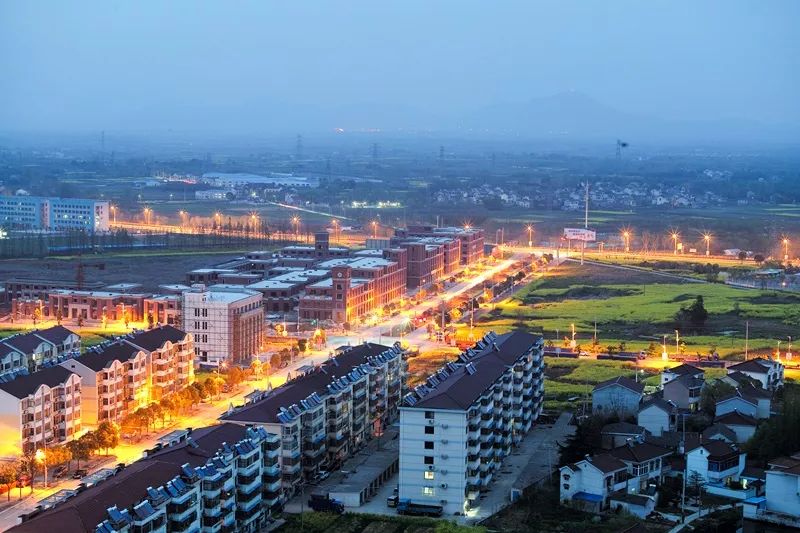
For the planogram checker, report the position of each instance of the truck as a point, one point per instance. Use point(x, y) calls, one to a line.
point(324, 503)
point(407, 507)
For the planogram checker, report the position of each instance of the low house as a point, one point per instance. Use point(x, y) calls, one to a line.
point(720, 432)
point(620, 433)
point(673, 373)
point(645, 462)
point(767, 372)
point(780, 503)
point(684, 392)
point(588, 484)
point(742, 425)
point(620, 396)
point(640, 505)
point(747, 399)
point(718, 465)
point(657, 416)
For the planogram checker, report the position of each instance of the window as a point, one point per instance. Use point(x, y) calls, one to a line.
point(428, 444)
point(429, 415)
point(429, 474)
point(428, 491)
point(428, 459)
point(429, 430)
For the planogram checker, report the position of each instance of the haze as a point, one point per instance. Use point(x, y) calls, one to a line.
point(574, 68)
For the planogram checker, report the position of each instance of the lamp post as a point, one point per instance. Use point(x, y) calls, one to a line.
point(41, 457)
point(296, 225)
point(147, 212)
point(785, 243)
point(113, 213)
point(707, 239)
point(374, 225)
point(677, 343)
point(530, 236)
point(675, 236)
point(626, 235)
point(335, 224)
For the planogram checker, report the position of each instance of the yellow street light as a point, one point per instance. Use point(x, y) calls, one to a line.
point(785, 243)
point(626, 236)
point(374, 225)
point(675, 236)
point(41, 457)
point(147, 212)
point(707, 239)
point(530, 235)
point(114, 213)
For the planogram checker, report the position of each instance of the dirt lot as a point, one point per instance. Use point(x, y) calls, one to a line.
point(149, 269)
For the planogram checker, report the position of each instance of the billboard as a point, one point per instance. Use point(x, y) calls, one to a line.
point(579, 234)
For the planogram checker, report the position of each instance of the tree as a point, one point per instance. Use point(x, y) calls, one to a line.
point(234, 377)
point(694, 316)
point(90, 441)
point(695, 484)
point(779, 434)
point(742, 256)
point(107, 435)
point(79, 451)
point(759, 259)
point(201, 390)
point(211, 387)
point(158, 413)
point(8, 475)
point(168, 404)
point(711, 394)
point(57, 456)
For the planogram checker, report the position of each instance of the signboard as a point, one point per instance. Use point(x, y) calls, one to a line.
point(579, 234)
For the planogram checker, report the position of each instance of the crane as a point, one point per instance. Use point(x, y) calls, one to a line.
point(79, 274)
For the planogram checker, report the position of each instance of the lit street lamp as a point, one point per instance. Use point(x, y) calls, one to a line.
point(296, 225)
point(675, 236)
point(530, 235)
point(707, 238)
point(114, 213)
point(147, 212)
point(785, 243)
point(335, 224)
point(626, 235)
point(374, 225)
point(41, 457)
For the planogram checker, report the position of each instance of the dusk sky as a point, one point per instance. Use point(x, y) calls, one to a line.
point(266, 65)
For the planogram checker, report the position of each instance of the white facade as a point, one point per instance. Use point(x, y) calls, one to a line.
point(736, 403)
point(655, 419)
point(227, 323)
point(712, 469)
point(54, 214)
point(781, 501)
point(767, 372)
point(456, 429)
point(621, 397)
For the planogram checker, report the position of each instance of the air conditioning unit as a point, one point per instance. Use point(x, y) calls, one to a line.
point(443, 485)
point(431, 422)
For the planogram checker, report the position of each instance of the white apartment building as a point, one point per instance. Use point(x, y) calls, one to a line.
point(54, 214)
point(226, 323)
point(457, 427)
point(132, 372)
point(329, 411)
point(28, 352)
point(40, 409)
point(221, 478)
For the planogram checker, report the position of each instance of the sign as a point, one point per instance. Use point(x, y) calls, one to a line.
point(579, 234)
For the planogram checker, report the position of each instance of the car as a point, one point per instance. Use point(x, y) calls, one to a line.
point(323, 475)
point(80, 473)
point(60, 471)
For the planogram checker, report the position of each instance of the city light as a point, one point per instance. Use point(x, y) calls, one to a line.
point(296, 224)
point(374, 225)
point(675, 236)
point(785, 243)
point(626, 237)
point(530, 235)
point(147, 212)
point(707, 239)
point(113, 213)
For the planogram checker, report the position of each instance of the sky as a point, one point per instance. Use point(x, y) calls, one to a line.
point(270, 65)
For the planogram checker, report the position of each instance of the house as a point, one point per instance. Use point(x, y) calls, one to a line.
point(645, 462)
point(766, 371)
point(780, 503)
point(755, 402)
point(743, 426)
point(620, 396)
point(588, 484)
point(657, 416)
point(31, 351)
point(640, 505)
point(620, 433)
point(684, 391)
point(670, 374)
point(720, 432)
point(718, 464)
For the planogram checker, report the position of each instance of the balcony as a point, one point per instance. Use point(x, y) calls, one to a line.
point(249, 514)
point(179, 526)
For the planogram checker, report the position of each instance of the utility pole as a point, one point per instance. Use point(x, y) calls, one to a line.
point(746, 338)
point(685, 472)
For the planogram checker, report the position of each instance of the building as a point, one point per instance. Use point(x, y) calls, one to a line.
point(657, 416)
point(140, 368)
point(684, 391)
point(589, 484)
point(321, 250)
point(226, 323)
point(744, 402)
point(716, 462)
point(766, 371)
point(39, 289)
point(328, 412)
point(54, 214)
point(356, 287)
point(670, 374)
point(620, 396)
point(780, 503)
point(39, 410)
point(218, 479)
point(95, 306)
point(28, 352)
point(743, 426)
point(620, 433)
point(472, 239)
point(163, 309)
point(281, 293)
point(457, 427)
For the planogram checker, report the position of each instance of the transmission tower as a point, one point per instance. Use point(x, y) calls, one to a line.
point(620, 146)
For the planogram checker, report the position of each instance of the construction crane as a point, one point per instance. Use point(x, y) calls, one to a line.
point(79, 274)
point(620, 146)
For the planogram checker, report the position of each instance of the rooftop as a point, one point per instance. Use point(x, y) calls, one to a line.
point(735, 418)
point(685, 370)
point(25, 385)
point(640, 452)
point(755, 366)
point(621, 381)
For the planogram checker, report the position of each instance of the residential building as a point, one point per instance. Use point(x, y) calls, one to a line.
point(716, 462)
point(28, 352)
point(472, 239)
point(39, 410)
point(742, 425)
point(140, 368)
point(54, 214)
point(218, 479)
point(282, 292)
point(457, 427)
point(657, 416)
point(620, 433)
point(620, 396)
point(766, 371)
point(226, 323)
point(646, 464)
point(589, 484)
point(670, 374)
point(684, 391)
point(328, 412)
point(780, 503)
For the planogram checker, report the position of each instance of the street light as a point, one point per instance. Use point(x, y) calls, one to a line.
point(707, 238)
point(374, 225)
point(296, 224)
point(675, 236)
point(785, 243)
point(626, 235)
point(530, 235)
point(114, 213)
point(147, 212)
point(41, 457)
point(335, 224)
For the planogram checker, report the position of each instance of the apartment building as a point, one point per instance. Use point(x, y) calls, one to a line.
point(226, 323)
point(426, 263)
point(472, 239)
point(357, 286)
point(220, 478)
point(328, 412)
point(780, 503)
point(28, 352)
point(40, 409)
point(457, 427)
point(140, 368)
point(54, 214)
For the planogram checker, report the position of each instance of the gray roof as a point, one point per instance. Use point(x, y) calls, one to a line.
point(621, 381)
point(460, 390)
point(623, 428)
point(24, 386)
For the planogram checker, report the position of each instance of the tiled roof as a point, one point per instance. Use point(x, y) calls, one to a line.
point(461, 389)
point(719, 449)
point(606, 463)
point(685, 370)
point(735, 418)
point(622, 381)
point(153, 339)
point(623, 428)
point(639, 452)
point(24, 386)
point(661, 403)
point(25, 342)
point(756, 366)
point(56, 334)
point(98, 360)
point(719, 429)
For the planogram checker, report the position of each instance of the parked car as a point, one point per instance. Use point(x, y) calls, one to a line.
point(80, 473)
point(60, 471)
